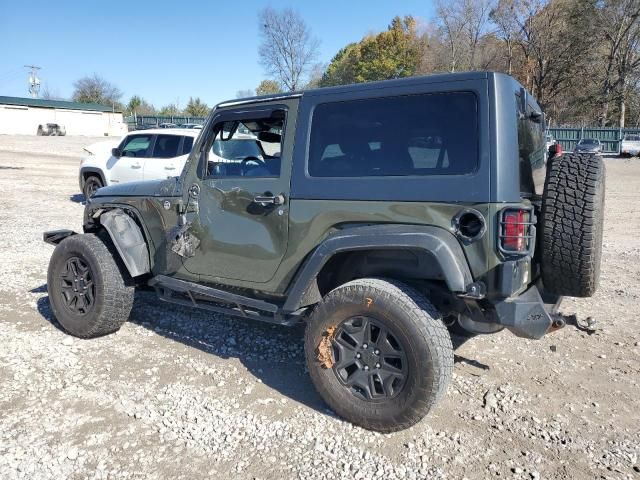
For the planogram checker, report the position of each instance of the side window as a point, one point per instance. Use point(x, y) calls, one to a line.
point(136, 146)
point(187, 145)
point(247, 148)
point(531, 146)
point(412, 135)
point(166, 146)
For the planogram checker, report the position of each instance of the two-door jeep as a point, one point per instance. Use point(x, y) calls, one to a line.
point(379, 214)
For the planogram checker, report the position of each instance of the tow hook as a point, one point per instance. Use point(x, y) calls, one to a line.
point(587, 325)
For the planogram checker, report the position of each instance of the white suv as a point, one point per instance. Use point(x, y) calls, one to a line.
point(141, 155)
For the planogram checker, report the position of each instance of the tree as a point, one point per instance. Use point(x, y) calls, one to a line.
point(619, 21)
point(268, 87)
point(139, 106)
point(48, 94)
point(502, 16)
point(169, 110)
point(244, 93)
point(95, 89)
point(196, 108)
point(288, 49)
point(394, 53)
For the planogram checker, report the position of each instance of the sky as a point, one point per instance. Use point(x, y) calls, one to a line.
point(167, 50)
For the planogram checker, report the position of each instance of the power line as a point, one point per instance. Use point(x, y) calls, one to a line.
point(34, 81)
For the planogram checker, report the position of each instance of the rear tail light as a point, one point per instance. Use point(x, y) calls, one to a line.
point(516, 231)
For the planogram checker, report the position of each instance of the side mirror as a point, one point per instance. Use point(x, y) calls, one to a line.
point(116, 152)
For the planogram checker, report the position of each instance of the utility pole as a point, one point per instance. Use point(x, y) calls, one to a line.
point(34, 81)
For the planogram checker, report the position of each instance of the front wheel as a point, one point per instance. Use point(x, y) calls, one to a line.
point(378, 353)
point(90, 291)
point(91, 184)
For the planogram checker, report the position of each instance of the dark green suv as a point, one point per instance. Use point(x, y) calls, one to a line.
point(378, 214)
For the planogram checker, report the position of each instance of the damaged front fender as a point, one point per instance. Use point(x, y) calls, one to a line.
point(128, 240)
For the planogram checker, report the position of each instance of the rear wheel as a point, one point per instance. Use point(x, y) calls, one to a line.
point(91, 184)
point(90, 291)
point(378, 353)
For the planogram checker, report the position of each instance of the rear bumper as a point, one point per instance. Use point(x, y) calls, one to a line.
point(526, 315)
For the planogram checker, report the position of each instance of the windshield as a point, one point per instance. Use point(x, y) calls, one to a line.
point(589, 141)
point(632, 138)
point(237, 149)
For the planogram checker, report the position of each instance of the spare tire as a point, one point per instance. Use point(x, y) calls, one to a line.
point(572, 222)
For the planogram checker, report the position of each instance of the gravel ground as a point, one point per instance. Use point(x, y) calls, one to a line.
point(179, 393)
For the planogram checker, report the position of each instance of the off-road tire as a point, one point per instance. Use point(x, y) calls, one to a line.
point(114, 288)
point(91, 184)
point(572, 223)
point(420, 331)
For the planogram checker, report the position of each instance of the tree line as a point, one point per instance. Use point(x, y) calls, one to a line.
point(95, 89)
point(579, 58)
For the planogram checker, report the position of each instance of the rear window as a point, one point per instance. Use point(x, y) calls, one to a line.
point(431, 134)
point(532, 150)
point(166, 146)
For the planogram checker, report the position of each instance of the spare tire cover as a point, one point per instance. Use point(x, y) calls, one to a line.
point(572, 223)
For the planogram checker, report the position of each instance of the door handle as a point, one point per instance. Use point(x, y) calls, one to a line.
point(269, 199)
point(170, 167)
point(136, 165)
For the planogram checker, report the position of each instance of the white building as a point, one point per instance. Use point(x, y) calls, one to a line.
point(24, 115)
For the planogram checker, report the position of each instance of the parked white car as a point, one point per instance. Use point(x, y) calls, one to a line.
point(630, 145)
point(141, 155)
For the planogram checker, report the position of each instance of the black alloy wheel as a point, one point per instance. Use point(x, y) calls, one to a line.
point(77, 287)
point(369, 360)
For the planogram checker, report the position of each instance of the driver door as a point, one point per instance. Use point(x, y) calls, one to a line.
point(130, 166)
point(243, 201)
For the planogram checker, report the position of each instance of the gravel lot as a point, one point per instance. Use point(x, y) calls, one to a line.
point(179, 393)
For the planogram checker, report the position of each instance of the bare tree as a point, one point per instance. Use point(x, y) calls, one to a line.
point(245, 93)
point(95, 89)
point(619, 21)
point(452, 24)
point(288, 49)
point(49, 94)
point(503, 15)
point(476, 18)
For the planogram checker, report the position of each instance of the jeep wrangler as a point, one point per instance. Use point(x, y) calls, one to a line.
point(379, 214)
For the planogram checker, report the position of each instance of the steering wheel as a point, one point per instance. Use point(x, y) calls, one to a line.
point(247, 162)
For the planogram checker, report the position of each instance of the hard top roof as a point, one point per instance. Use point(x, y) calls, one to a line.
point(435, 78)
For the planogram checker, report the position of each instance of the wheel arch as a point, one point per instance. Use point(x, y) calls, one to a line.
point(86, 172)
point(129, 240)
point(401, 251)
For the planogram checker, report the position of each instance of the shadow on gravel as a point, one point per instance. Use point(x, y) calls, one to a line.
point(274, 354)
point(77, 198)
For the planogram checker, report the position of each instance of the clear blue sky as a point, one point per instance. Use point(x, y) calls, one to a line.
point(167, 50)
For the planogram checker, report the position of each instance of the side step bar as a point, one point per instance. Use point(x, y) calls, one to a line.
point(190, 294)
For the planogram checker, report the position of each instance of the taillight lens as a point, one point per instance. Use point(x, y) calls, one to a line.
point(515, 229)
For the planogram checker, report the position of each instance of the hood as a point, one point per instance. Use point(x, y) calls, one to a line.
point(587, 148)
point(148, 188)
point(101, 147)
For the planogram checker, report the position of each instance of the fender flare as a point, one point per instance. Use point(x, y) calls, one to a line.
point(84, 170)
point(440, 243)
point(128, 240)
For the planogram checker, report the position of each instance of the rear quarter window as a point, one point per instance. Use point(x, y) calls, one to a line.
point(411, 135)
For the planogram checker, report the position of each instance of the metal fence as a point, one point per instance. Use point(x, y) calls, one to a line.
point(136, 121)
point(609, 137)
